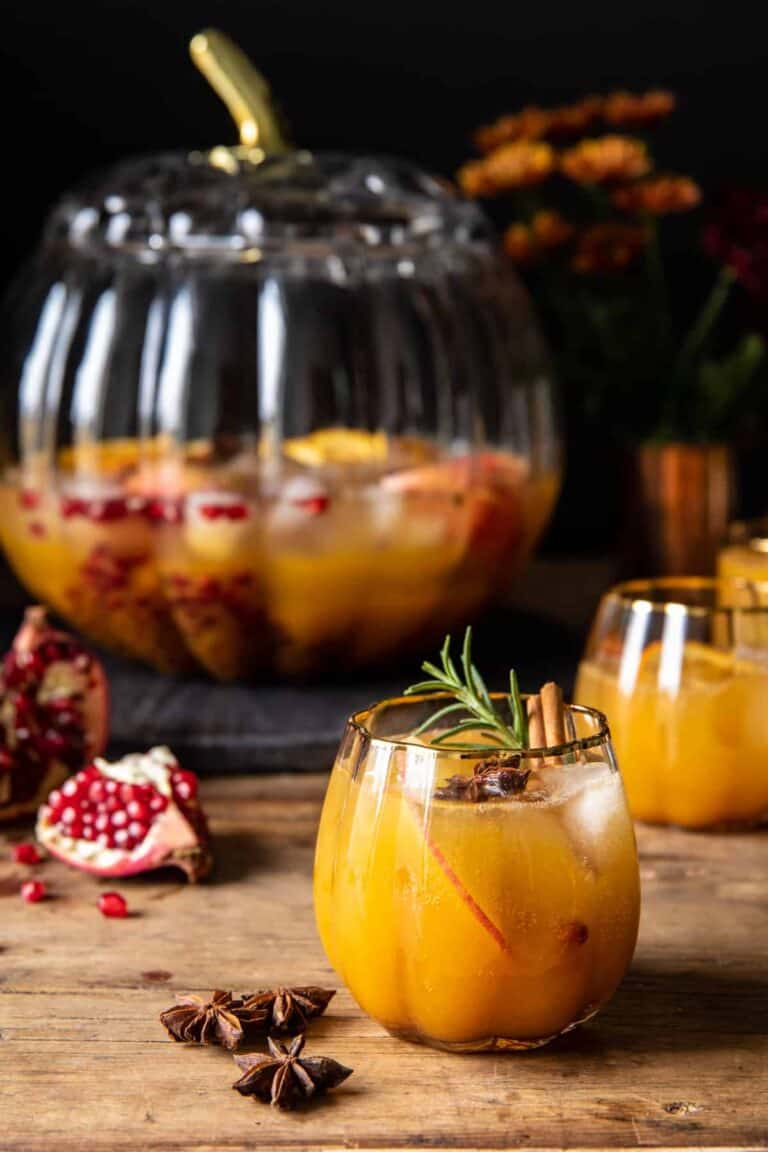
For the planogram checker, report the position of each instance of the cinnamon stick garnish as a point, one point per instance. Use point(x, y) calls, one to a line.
point(552, 710)
point(546, 718)
point(536, 734)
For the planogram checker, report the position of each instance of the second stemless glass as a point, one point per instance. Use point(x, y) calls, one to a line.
point(680, 667)
point(494, 924)
point(744, 555)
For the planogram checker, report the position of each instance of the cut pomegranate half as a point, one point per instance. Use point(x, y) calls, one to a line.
point(54, 713)
point(126, 817)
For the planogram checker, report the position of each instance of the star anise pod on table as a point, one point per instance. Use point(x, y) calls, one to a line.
point(496, 776)
point(289, 1009)
point(285, 1078)
point(223, 1019)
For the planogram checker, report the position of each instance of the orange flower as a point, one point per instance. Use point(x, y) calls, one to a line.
point(605, 159)
point(533, 123)
point(519, 244)
point(658, 196)
point(516, 165)
point(608, 247)
point(530, 123)
point(636, 109)
point(571, 119)
point(474, 181)
point(551, 230)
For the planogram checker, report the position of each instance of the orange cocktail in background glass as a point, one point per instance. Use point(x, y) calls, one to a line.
point(680, 667)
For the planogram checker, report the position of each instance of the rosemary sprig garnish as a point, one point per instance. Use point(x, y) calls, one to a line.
point(470, 695)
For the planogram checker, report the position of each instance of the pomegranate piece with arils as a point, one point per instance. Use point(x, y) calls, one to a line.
point(131, 816)
point(54, 713)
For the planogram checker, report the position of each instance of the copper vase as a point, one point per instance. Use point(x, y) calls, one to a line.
point(679, 501)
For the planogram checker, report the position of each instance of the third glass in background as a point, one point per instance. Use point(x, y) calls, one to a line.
point(680, 667)
point(744, 555)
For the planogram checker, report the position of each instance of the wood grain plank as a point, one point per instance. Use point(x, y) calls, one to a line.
point(679, 1059)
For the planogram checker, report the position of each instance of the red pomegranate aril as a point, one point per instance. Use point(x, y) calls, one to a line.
point(184, 785)
point(24, 708)
point(101, 823)
point(127, 793)
point(28, 498)
point(224, 511)
point(119, 819)
point(137, 810)
point(111, 804)
point(68, 815)
point(113, 904)
point(70, 787)
point(315, 505)
point(52, 744)
point(137, 831)
point(105, 511)
point(70, 506)
point(26, 853)
point(110, 787)
point(96, 792)
point(158, 803)
point(121, 838)
point(33, 891)
point(89, 832)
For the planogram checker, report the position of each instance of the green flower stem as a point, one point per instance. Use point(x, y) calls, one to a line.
point(705, 321)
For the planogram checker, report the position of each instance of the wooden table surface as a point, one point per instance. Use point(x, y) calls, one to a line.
point(679, 1059)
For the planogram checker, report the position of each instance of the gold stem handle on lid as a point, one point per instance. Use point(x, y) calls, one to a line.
point(242, 88)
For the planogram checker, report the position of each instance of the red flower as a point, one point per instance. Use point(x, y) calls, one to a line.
point(738, 238)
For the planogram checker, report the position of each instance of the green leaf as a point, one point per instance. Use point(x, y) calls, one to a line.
point(430, 720)
point(448, 664)
point(471, 695)
point(424, 686)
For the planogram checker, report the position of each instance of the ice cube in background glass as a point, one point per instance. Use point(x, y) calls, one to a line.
point(298, 503)
point(397, 520)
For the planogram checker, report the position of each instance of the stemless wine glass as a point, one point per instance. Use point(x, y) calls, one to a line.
point(466, 921)
point(680, 667)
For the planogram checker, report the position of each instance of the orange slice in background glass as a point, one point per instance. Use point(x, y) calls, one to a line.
point(338, 446)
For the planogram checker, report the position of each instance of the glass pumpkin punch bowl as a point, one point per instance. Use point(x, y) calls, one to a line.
point(268, 417)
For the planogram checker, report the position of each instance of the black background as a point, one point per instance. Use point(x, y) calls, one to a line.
point(84, 83)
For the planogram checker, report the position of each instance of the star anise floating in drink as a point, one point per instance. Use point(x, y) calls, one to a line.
point(289, 1009)
point(224, 1020)
point(496, 776)
point(285, 1078)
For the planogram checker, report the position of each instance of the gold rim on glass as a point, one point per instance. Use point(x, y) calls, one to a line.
point(579, 744)
point(657, 595)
